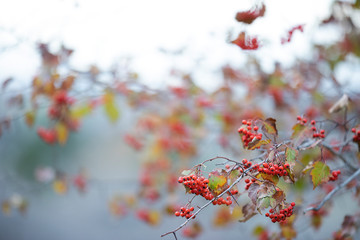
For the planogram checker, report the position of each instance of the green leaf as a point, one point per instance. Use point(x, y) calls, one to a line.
point(320, 173)
point(291, 155)
point(217, 183)
point(265, 202)
point(297, 129)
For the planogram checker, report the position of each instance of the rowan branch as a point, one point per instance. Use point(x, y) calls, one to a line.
point(210, 201)
point(330, 194)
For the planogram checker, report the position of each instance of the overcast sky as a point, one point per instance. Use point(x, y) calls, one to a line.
point(104, 31)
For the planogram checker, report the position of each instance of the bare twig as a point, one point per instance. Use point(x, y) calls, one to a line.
point(330, 194)
point(339, 155)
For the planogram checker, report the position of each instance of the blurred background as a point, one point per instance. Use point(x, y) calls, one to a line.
point(154, 88)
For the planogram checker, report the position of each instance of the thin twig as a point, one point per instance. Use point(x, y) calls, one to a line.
point(330, 194)
point(210, 201)
point(339, 155)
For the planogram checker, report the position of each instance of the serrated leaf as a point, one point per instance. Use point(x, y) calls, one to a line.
point(257, 143)
point(217, 182)
point(61, 133)
point(320, 173)
point(264, 203)
point(110, 107)
point(270, 126)
point(297, 129)
point(291, 155)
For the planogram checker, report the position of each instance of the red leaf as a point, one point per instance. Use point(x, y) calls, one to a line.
point(250, 15)
point(246, 43)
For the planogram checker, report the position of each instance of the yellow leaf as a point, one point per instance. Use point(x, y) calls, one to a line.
point(6, 208)
point(29, 118)
point(154, 217)
point(110, 106)
point(80, 111)
point(60, 187)
point(61, 133)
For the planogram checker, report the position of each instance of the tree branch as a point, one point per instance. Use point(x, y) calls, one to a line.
point(210, 201)
point(330, 194)
point(339, 155)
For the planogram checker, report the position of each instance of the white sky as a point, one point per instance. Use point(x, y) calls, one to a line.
point(103, 31)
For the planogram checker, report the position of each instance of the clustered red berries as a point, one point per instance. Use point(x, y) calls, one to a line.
point(221, 201)
point(249, 182)
point(356, 137)
point(301, 120)
point(249, 133)
point(281, 215)
point(197, 185)
point(274, 169)
point(334, 175)
point(317, 134)
point(185, 212)
point(60, 103)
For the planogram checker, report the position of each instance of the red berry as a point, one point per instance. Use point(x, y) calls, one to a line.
point(293, 204)
point(313, 122)
point(177, 213)
point(256, 128)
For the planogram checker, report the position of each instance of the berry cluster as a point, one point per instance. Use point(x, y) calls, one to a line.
point(334, 175)
point(47, 135)
point(356, 137)
point(316, 133)
point(197, 185)
point(281, 215)
point(60, 102)
point(185, 212)
point(249, 133)
point(274, 169)
point(248, 183)
point(221, 201)
point(301, 120)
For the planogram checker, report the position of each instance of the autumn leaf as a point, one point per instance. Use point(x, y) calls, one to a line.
point(269, 125)
point(342, 103)
point(110, 107)
point(81, 111)
point(217, 182)
point(249, 16)
point(265, 202)
point(30, 118)
point(320, 173)
point(6, 207)
point(272, 178)
point(60, 186)
point(62, 133)
point(297, 129)
point(291, 155)
point(248, 211)
point(257, 143)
